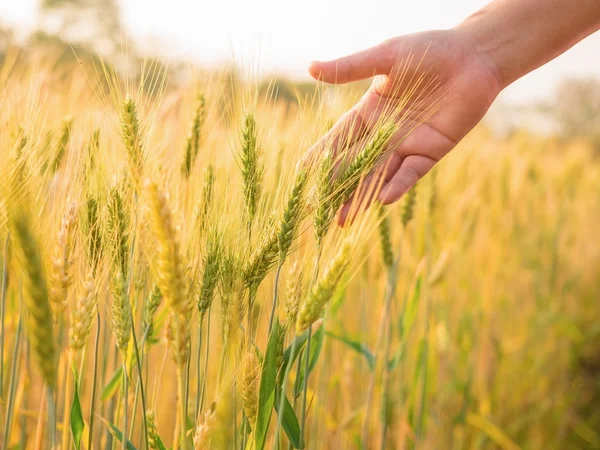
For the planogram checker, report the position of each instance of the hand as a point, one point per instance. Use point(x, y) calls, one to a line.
point(465, 75)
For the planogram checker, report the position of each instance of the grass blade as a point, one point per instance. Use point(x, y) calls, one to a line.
point(77, 423)
point(357, 346)
point(117, 433)
point(266, 394)
point(290, 422)
point(113, 385)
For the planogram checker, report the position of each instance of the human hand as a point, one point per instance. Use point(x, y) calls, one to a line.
point(459, 70)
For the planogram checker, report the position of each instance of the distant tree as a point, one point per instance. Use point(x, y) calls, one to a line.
point(96, 23)
point(576, 108)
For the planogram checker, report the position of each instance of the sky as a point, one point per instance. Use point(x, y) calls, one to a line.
point(284, 36)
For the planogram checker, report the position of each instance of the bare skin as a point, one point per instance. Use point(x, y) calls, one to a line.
point(473, 62)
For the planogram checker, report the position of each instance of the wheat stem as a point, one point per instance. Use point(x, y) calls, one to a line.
point(94, 384)
point(305, 388)
point(274, 305)
point(67, 405)
point(3, 312)
point(125, 404)
point(140, 383)
point(198, 370)
point(182, 418)
point(205, 361)
point(51, 417)
point(13, 385)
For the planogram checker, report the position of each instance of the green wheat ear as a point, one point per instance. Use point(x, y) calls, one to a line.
point(131, 134)
point(61, 145)
point(121, 310)
point(39, 321)
point(210, 275)
point(206, 200)
point(363, 164)
point(409, 206)
point(192, 147)
point(92, 232)
point(118, 230)
point(324, 211)
point(291, 216)
point(150, 307)
point(385, 237)
point(262, 259)
point(252, 169)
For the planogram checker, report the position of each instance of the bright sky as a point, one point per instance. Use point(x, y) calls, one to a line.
point(284, 36)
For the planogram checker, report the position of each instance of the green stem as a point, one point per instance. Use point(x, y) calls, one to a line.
point(2, 314)
point(13, 385)
point(94, 387)
point(51, 417)
point(138, 362)
point(305, 388)
point(275, 289)
point(205, 362)
point(307, 352)
point(383, 338)
point(114, 404)
point(124, 436)
point(199, 369)
point(283, 385)
point(425, 356)
point(294, 398)
point(182, 419)
point(384, 393)
point(25, 401)
point(187, 385)
point(244, 424)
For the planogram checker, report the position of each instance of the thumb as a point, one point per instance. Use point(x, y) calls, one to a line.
point(377, 60)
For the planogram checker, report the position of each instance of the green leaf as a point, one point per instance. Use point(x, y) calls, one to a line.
point(289, 422)
point(299, 343)
point(410, 315)
point(266, 393)
point(113, 384)
point(160, 444)
point(398, 356)
point(117, 433)
point(316, 345)
point(77, 423)
point(357, 346)
point(358, 441)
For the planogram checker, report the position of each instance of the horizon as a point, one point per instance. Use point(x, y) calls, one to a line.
point(271, 38)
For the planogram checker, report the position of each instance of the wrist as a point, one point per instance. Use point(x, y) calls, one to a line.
point(485, 44)
point(518, 36)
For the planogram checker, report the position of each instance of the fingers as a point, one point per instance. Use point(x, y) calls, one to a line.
point(400, 175)
point(368, 191)
point(350, 128)
point(413, 168)
point(376, 60)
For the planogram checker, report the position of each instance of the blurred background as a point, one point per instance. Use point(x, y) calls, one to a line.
point(274, 39)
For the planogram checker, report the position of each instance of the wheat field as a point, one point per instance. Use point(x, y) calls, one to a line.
point(173, 277)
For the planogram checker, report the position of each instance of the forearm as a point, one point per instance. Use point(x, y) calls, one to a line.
point(521, 35)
